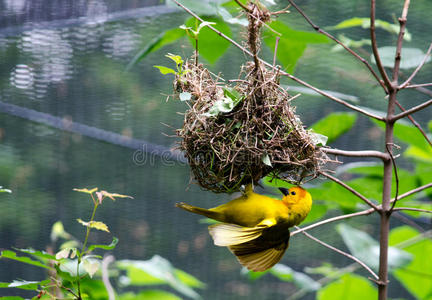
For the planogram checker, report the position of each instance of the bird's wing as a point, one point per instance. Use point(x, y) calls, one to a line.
point(261, 260)
point(231, 234)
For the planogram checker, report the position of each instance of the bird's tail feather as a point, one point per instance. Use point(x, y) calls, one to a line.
point(198, 210)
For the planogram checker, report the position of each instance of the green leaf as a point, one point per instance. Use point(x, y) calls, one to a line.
point(350, 43)
point(317, 138)
point(301, 280)
point(292, 43)
point(416, 277)
point(12, 255)
point(418, 147)
point(86, 191)
point(42, 255)
point(349, 286)
point(58, 231)
point(91, 266)
point(210, 45)
point(157, 270)
point(335, 124)
point(12, 298)
point(266, 160)
point(24, 285)
point(165, 70)
point(149, 295)
point(94, 224)
point(365, 23)
point(188, 279)
point(2, 190)
point(411, 57)
point(163, 39)
point(365, 248)
point(104, 247)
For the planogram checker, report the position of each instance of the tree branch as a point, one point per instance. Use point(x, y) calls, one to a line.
point(413, 191)
point(414, 86)
point(407, 82)
point(341, 252)
point(375, 48)
point(366, 200)
point(413, 209)
point(411, 110)
point(365, 153)
point(292, 77)
point(352, 52)
point(402, 24)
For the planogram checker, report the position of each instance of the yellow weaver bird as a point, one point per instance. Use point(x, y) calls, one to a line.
point(255, 227)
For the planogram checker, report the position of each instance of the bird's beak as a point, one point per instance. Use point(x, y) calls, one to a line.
point(284, 191)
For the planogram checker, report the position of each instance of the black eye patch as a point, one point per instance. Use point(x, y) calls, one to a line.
point(293, 193)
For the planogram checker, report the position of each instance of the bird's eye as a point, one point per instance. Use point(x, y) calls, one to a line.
point(293, 193)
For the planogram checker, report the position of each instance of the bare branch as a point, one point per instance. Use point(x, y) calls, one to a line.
point(413, 209)
point(416, 124)
point(334, 219)
point(412, 110)
point(375, 48)
point(402, 22)
point(366, 200)
point(414, 191)
point(365, 153)
point(405, 84)
point(414, 86)
point(352, 52)
point(340, 101)
point(341, 252)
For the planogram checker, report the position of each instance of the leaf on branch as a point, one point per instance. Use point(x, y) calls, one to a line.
point(85, 190)
point(94, 224)
point(165, 70)
point(24, 259)
point(112, 196)
point(104, 247)
point(335, 124)
point(90, 266)
point(24, 285)
point(349, 286)
point(2, 190)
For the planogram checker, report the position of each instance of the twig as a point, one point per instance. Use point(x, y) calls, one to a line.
point(412, 110)
point(366, 200)
point(413, 191)
point(416, 124)
point(341, 252)
point(334, 219)
point(275, 51)
point(413, 86)
point(413, 209)
point(244, 50)
point(406, 83)
point(402, 24)
point(365, 153)
point(375, 48)
point(242, 5)
point(396, 177)
point(352, 52)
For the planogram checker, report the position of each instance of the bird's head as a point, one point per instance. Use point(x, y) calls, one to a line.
point(296, 195)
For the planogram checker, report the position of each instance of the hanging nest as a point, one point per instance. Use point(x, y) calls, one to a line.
point(233, 136)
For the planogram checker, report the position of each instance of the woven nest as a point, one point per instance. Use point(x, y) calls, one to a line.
point(260, 136)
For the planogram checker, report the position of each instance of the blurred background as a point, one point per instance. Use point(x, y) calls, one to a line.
point(65, 61)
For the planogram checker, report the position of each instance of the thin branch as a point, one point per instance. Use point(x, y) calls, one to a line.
point(334, 219)
point(242, 5)
point(105, 276)
point(352, 52)
point(406, 83)
point(413, 209)
point(375, 48)
point(416, 124)
point(413, 86)
point(365, 153)
point(414, 191)
point(244, 50)
point(396, 176)
point(366, 200)
point(412, 110)
point(343, 253)
point(402, 24)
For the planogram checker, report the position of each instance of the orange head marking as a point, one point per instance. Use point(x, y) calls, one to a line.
point(296, 195)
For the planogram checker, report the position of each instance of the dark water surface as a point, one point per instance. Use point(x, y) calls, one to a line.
point(67, 59)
